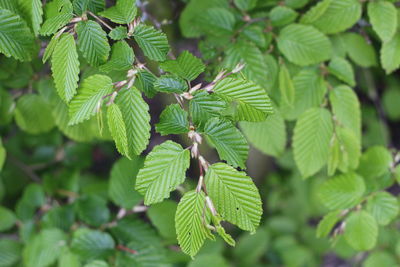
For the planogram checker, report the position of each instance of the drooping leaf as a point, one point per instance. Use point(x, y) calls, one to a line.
point(361, 230)
point(304, 45)
point(326, 224)
point(235, 196)
point(173, 120)
point(117, 128)
point(50, 48)
point(312, 134)
point(383, 17)
point(383, 206)
point(122, 58)
point(164, 169)
point(65, 67)
point(186, 66)
point(286, 86)
point(123, 12)
point(350, 149)
point(333, 156)
point(228, 140)
point(153, 42)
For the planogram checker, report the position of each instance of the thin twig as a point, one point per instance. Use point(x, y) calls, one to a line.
point(100, 20)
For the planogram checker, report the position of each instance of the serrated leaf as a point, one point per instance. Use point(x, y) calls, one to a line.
point(186, 66)
point(118, 33)
point(50, 47)
point(245, 4)
point(84, 104)
point(55, 22)
point(117, 128)
point(164, 169)
point(217, 22)
point(145, 82)
point(342, 191)
point(268, 136)
point(149, 255)
point(228, 140)
point(315, 12)
point(92, 210)
point(342, 69)
point(333, 156)
point(383, 17)
point(390, 54)
point(235, 196)
point(380, 258)
point(282, 15)
point(170, 84)
point(153, 43)
point(33, 114)
point(122, 58)
point(173, 120)
point(10, 252)
point(32, 12)
point(16, 39)
point(122, 182)
point(350, 149)
point(122, 13)
point(304, 45)
point(65, 67)
point(92, 244)
point(326, 224)
point(383, 206)
point(190, 218)
point(81, 6)
point(162, 216)
point(252, 102)
point(375, 162)
point(359, 50)
point(286, 86)
point(204, 106)
point(361, 230)
point(346, 108)
point(92, 42)
point(7, 219)
point(312, 134)
point(97, 263)
point(135, 114)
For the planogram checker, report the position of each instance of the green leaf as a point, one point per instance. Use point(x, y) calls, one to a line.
point(375, 162)
point(350, 149)
point(251, 102)
point(53, 23)
point(235, 196)
point(342, 191)
point(390, 100)
point(32, 12)
point(282, 15)
point(334, 155)
point(3, 155)
point(135, 114)
point(97, 263)
point(327, 223)
point(50, 48)
point(95, 6)
point(217, 22)
point(122, 58)
point(162, 216)
point(251, 247)
point(16, 39)
point(84, 105)
point(33, 114)
point(228, 140)
point(173, 120)
point(164, 169)
point(62, 217)
point(304, 45)
point(312, 135)
point(122, 13)
point(390, 56)
point(334, 16)
point(148, 255)
point(93, 210)
point(10, 252)
point(383, 17)
point(122, 182)
point(359, 50)
point(268, 136)
point(191, 216)
point(153, 42)
point(380, 258)
point(92, 244)
point(186, 66)
point(45, 248)
point(204, 106)
point(286, 86)
point(92, 42)
point(118, 33)
point(209, 259)
point(383, 206)
point(65, 67)
point(7, 219)
point(170, 84)
point(145, 83)
point(361, 230)
point(117, 129)
point(346, 108)
point(245, 4)
point(342, 69)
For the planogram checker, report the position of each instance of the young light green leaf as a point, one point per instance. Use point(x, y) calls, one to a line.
point(204, 106)
point(342, 191)
point(312, 135)
point(122, 13)
point(7, 219)
point(350, 149)
point(92, 42)
point(190, 218)
point(95, 6)
point(32, 12)
point(122, 58)
point(153, 42)
point(186, 66)
point(92, 244)
point(327, 223)
point(97, 263)
point(55, 22)
point(390, 54)
point(117, 128)
point(359, 50)
point(245, 4)
point(380, 258)
point(118, 33)
point(228, 140)
point(235, 196)
point(251, 101)
point(173, 120)
point(162, 216)
point(85, 104)
point(383, 206)
point(282, 15)
point(361, 230)
point(333, 156)
point(383, 17)
point(304, 45)
point(50, 47)
point(164, 169)
point(342, 69)
point(135, 114)
point(16, 39)
point(375, 162)
point(315, 12)
point(170, 84)
point(286, 86)
point(65, 67)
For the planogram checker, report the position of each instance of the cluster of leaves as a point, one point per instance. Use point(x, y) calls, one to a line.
point(280, 70)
